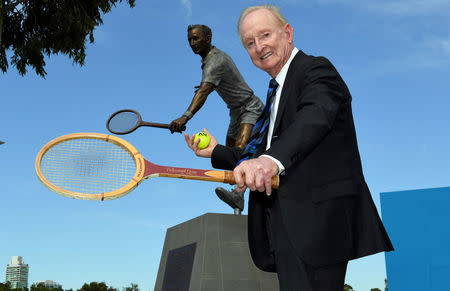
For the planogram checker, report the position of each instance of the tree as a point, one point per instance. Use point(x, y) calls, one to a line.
point(94, 286)
point(348, 287)
point(133, 287)
point(42, 287)
point(5, 286)
point(31, 29)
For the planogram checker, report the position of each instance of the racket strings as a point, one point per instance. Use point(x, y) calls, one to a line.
point(88, 166)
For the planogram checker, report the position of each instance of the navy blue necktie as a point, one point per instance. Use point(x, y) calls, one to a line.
point(261, 126)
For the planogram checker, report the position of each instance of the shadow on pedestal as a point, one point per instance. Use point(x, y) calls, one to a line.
point(210, 253)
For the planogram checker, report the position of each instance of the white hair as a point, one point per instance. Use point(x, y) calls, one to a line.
point(272, 8)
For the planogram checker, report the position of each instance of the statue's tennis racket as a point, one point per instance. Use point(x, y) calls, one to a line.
point(94, 166)
point(127, 120)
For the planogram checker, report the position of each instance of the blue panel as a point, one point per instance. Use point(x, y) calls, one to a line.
point(439, 277)
point(418, 223)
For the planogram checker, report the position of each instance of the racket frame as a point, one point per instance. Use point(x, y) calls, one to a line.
point(138, 124)
point(138, 158)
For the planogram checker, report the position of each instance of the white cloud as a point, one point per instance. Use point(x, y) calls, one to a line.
point(397, 7)
point(444, 46)
point(411, 7)
point(430, 54)
point(424, 41)
point(438, 49)
point(187, 6)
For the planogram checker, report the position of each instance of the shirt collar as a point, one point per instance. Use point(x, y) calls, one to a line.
point(203, 61)
point(283, 72)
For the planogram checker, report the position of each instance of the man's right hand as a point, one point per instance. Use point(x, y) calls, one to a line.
point(178, 124)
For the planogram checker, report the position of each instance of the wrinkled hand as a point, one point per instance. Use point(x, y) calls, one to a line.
point(255, 174)
point(206, 152)
point(178, 124)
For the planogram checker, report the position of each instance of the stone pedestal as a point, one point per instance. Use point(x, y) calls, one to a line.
point(210, 253)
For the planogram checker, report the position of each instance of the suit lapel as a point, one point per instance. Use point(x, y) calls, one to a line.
point(285, 93)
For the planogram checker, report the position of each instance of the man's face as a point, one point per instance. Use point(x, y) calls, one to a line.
point(197, 40)
point(268, 42)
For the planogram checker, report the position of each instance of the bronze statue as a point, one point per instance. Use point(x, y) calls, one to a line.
point(221, 74)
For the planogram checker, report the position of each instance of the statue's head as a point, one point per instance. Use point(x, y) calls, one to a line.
point(199, 37)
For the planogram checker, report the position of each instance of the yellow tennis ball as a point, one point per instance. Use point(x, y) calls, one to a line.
point(204, 140)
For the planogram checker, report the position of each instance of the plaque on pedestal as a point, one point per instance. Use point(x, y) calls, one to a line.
point(210, 253)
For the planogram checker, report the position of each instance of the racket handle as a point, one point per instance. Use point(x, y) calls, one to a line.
point(152, 170)
point(160, 125)
point(228, 177)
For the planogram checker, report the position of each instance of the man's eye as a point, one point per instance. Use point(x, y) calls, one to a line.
point(250, 43)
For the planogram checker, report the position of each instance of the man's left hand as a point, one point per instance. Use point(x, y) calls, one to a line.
point(193, 145)
point(255, 174)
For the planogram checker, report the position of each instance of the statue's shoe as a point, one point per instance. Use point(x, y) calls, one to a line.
point(233, 198)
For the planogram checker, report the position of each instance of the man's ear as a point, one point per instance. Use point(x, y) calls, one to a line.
point(208, 39)
point(287, 28)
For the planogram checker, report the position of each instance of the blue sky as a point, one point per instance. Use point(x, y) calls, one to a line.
point(394, 56)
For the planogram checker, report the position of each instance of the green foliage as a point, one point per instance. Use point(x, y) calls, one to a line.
point(42, 287)
point(5, 286)
point(375, 289)
point(347, 287)
point(31, 29)
point(133, 287)
point(94, 286)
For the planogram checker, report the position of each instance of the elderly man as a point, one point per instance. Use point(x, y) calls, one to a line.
point(219, 73)
point(322, 214)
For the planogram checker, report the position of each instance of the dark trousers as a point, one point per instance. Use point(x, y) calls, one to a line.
point(293, 273)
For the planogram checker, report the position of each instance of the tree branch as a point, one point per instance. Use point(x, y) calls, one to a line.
point(1, 21)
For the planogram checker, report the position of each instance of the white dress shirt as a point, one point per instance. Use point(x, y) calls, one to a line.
point(280, 78)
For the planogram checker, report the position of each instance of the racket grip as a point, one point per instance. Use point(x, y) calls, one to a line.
point(181, 130)
point(229, 178)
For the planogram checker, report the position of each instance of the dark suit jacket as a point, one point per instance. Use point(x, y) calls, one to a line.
point(326, 205)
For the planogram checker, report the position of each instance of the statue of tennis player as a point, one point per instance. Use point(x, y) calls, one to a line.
point(221, 74)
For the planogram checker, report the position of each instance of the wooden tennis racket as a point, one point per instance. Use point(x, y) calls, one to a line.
point(95, 166)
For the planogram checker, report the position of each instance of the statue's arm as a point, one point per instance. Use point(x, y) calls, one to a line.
point(197, 102)
point(200, 96)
